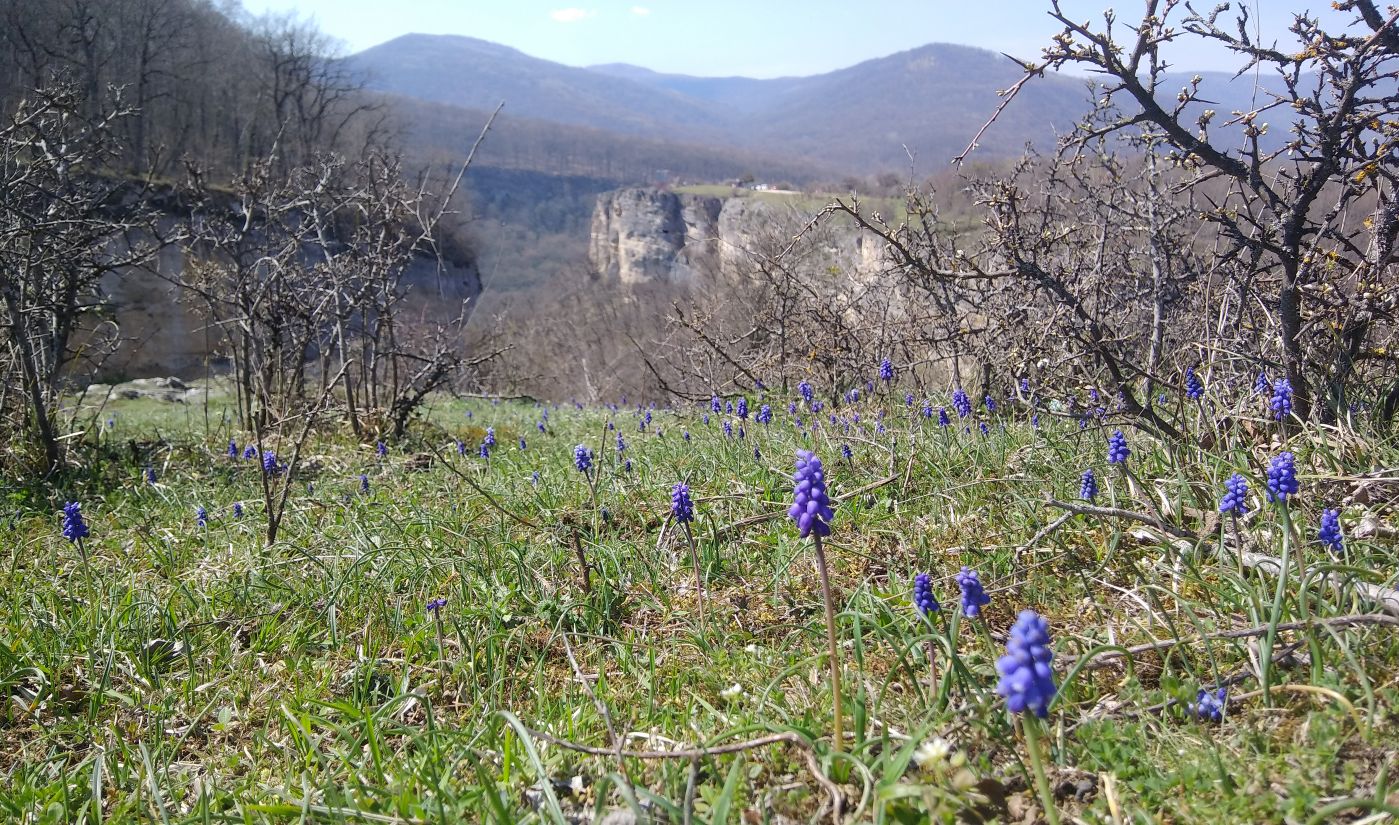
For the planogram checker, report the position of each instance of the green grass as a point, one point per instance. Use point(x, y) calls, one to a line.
point(179, 674)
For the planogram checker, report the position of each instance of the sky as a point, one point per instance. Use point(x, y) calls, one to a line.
point(754, 38)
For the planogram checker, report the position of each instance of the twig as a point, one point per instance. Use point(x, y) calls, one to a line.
point(1108, 657)
point(719, 750)
point(487, 496)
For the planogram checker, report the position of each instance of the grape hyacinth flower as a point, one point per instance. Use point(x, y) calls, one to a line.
point(270, 465)
point(461, 447)
point(682, 508)
point(626, 466)
point(583, 458)
point(908, 399)
point(381, 449)
point(886, 370)
point(1235, 493)
point(1117, 448)
point(201, 516)
point(961, 403)
point(973, 595)
point(74, 528)
point(846, 452)
point(1025, 387)
point(811, 510)
point(743, 408)
point(923, 598)
point(1330, 533)
point(1262, 385)
point(364, 484)
point(232, 448)
point(807, 393)
point(621, 443)
point(791, 408)
point(1281, 402)
point(1027, 680)
point(765, 414)
point(812, 507)
point(943, 419)
point(522, 444)
point(534, 478)
point(1209, 705)
point(1282, 477)
point(686, 435)
point(237, 509)
point(540, 426)
point(489, 440)
point(1088, 486)
point(728, 428)
point(1194, 387)
point(435, 605)
point(485, 451)
point(715, 405)
point(1027, 683)
point(150, 475)
point(985, 430)
point(728, 408)
point(249, 452)
point(990, 404)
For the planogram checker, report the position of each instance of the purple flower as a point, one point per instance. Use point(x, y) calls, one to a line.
point(364, 484)
point(990, 404)
point(1027, 680)
point(886, 370)
point(1330, 533)
point(522, 443)
point(1117, 448)
point(381, 449)
point(540, 426)
point(846, 452)
point(74, 527)
point(743, 408)
point(489, 440)
point(908, 399)
point(961, 403)
point(232, 448)
point(1281, 401)
point(1282, 477)
point(765, 414)
point(201, 516)
point(461, 447)
point(985, 430)
point(485, 451)
point(973, 596)
point(237, 509)
point(583, 458)
point(436, 605)
point(249, 452)
point(728, 428)
point(1088, 486)
point(150, 475)
point(682, 509)
point(686, 435)
point(1235, 492)
point(621, 444)
point(715, 405)
point(811, 508)
point(534, 478)
point(1262, 385)
point(1209, 705)
point(943, 419)
point(804, 388)
point(923, 594)
point(270, 464)
point(1025, 387)
point(1194, 387)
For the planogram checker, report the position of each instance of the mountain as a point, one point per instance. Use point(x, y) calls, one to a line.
point(855, 120)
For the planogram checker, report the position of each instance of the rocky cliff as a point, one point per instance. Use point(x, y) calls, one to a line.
point(650, 235)
point(162, 333)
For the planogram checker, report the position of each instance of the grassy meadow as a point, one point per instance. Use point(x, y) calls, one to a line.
point(164, 671)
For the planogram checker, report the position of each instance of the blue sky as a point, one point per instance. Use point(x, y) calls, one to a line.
point(757, 38)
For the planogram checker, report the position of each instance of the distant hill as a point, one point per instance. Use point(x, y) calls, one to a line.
point(867, 118)
point(855, 120)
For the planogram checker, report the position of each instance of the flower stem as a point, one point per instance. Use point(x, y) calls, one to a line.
point(1032, 746)
point(1279, 596)
point(837, 731)
point(699, 579)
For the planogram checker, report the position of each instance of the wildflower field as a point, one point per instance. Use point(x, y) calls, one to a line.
point(878, 605)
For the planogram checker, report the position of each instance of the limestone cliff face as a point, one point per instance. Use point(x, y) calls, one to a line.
point(651, 235)
point(161, 331)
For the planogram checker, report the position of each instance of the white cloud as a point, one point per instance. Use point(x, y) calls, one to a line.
point(571, 15)
point(640, 11)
